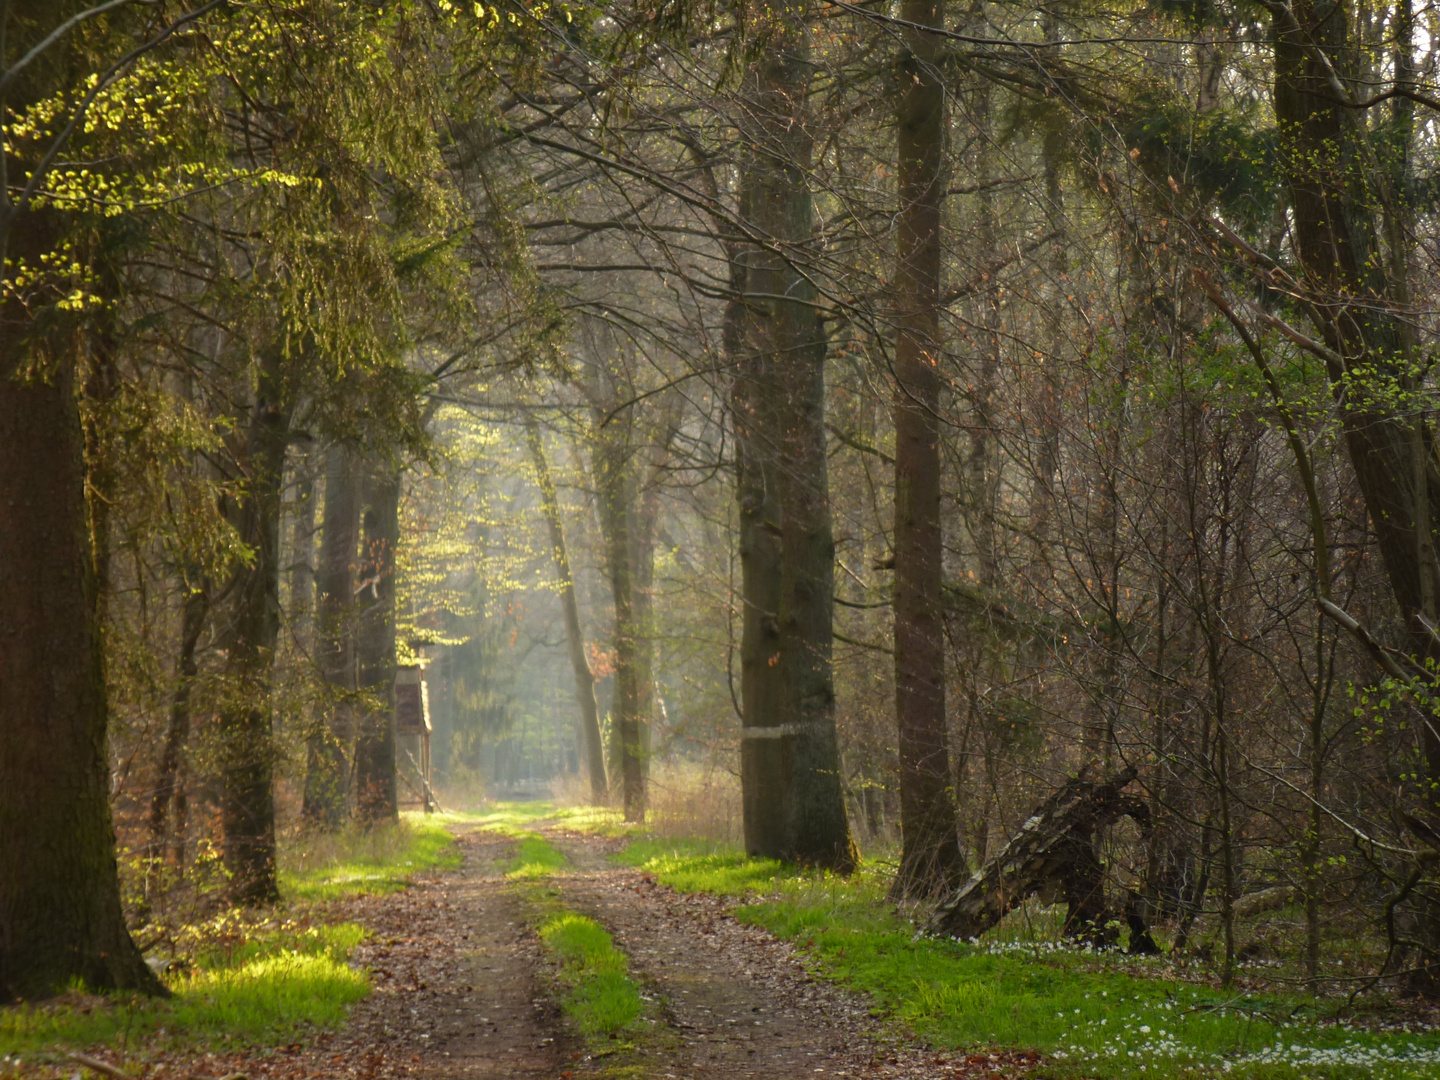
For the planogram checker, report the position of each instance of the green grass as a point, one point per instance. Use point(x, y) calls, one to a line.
point(1093, 1015)
point(276, 984)
point(366, 861)
point(514, 818)
point(597, 992)
point(535, 859)
point(600, 996)
point(702, 866)
point(251, 983)
point(597, 821)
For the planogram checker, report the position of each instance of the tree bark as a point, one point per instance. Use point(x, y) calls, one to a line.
point(1049, 408)
point(930, 861)
point(1053, 852)
point(593, 744)
point(642, 543)
point(328, 750)
point(376, 797)
point(168, 796)
point(614, 479)
point(302, 554)
point(60, 913)
point(1359, 306)
point(790, 761)
point(247, 803)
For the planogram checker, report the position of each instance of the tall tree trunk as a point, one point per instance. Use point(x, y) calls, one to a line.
point(594, 745)
point(642, 542)
point(642, 545)
point(614, 479)
point(982, 465)
point(247, 766)
point(333, 734)
point(930, 861)
point(302, 553)
point(789, 758)
point(60, 914)
point(168, 796)
point(376, 798)
point(1049, 407)
point(101, 386)
point(1337, 245)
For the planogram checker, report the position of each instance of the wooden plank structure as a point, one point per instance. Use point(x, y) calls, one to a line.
point(412, 733)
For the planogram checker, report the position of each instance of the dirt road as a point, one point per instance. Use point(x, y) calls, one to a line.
point(463, 991)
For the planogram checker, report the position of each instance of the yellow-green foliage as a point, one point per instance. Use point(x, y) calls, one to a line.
point(597, 821)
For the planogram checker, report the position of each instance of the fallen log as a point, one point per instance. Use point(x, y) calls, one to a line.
point(1054, 852)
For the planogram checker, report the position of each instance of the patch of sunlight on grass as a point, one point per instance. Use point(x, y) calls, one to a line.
point(281, 986)
point(601, 997)
point(1094, 1015)
point(535, 859)
point(445, 817)
point(702, 866)
point(326, 866)
point(514, 818)
point(598, 821)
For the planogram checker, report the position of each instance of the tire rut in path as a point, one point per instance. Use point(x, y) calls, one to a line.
point(739, 1003)
point(463, 991)
point(460, 996)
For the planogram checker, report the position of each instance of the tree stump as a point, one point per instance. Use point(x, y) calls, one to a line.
point(1054, 851)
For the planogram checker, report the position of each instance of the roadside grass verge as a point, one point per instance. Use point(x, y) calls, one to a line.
point(272, 984)
point(1092, 1015)
point(244, 980)
point(328, 866)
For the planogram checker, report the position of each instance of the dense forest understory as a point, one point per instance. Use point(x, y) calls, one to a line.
point(947, 493)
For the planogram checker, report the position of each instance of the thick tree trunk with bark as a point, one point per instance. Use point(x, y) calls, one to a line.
point(1048, 406)
point(101, 386)
point(931, 863)
point(376, 798)
point(327, 766)
point(790, 762)
point(247, 765)
point(1054, 852)
point(591, 740)
point(60, 914)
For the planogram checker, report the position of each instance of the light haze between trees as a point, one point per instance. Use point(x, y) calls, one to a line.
point(979, 456)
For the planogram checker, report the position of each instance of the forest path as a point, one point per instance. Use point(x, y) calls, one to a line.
point(735, 1002)
point(464, 991)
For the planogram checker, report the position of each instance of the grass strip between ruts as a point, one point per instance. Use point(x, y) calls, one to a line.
point(597, 992)
point(1092, 1015)
point(600, 996)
